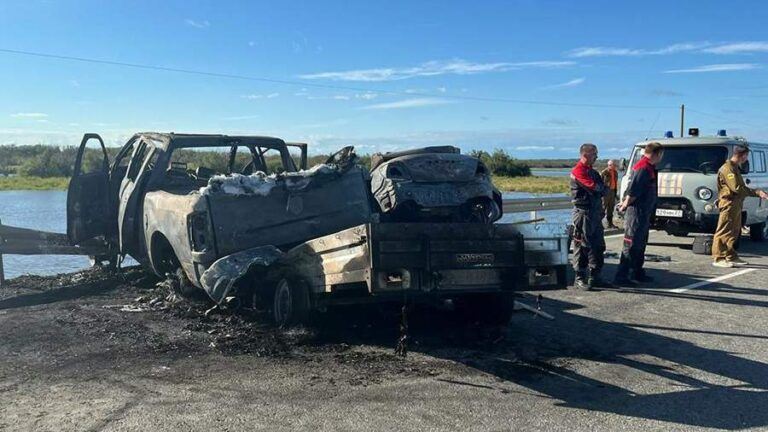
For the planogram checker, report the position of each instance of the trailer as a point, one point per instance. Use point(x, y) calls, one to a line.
point(458, 265)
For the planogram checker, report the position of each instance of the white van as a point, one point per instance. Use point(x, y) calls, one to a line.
point(688, 182)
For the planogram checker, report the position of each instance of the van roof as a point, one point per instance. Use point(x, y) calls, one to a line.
point(698, 141)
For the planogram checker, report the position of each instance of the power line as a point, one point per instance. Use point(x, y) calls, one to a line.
point(318, 85)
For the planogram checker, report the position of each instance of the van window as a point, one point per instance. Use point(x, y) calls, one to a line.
point(757, 161)
point(701, 159)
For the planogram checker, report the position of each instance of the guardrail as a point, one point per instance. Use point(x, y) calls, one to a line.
point(23, 241)
point(536, 204)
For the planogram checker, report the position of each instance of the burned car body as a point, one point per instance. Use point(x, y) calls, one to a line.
point(246, 228)
point(434, 184)
point(173, 217)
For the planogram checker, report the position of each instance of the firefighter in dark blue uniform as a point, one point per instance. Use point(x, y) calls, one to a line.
point(587, 191)
point(639, 205)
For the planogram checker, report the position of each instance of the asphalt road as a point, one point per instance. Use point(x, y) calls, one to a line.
point(679, 354)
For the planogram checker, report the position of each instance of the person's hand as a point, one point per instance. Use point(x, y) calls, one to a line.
point(623, 207)
point(762, 194)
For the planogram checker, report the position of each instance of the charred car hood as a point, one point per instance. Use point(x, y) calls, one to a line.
point(434, 185)
point(432, 168)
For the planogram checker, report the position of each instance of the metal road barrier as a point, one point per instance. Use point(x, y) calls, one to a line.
point(23, 241)
point(522, 205)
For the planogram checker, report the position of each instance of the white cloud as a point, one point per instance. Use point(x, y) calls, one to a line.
point(572, 83)
point(634, 52)
point(723, 67)
point(739, 48)
point(30, 115)
point(260, 96)
point(432, 68)
point(197, 24)
point(74, 83)
point(560, 122)
point(442, 89)
point(341, 97)
point(408, 103)
point(366, 96)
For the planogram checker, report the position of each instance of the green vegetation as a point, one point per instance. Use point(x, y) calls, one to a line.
point(42, 167)
point(500, 163)
point(532, 184)
point(33, 183)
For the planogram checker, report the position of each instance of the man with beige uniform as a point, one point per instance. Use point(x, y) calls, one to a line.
point(611, 179)
point(731, 192)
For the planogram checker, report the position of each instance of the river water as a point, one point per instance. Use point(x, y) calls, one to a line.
point(47, 211)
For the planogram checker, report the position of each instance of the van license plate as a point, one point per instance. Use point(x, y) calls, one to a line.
point(669, 213)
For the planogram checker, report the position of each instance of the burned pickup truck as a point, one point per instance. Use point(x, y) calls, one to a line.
point(244, 219)
point(152, 204)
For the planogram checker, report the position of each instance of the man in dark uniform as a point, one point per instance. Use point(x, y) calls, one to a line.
point(731, 192)
point(639, 204)
point(587, 190)
point(611, 179)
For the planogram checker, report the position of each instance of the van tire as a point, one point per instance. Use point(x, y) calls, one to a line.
point(757, 232)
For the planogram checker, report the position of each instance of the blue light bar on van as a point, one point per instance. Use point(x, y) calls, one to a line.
point(721, 132)
point(668, 134)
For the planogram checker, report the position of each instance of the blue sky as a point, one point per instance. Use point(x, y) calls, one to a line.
point(386, 75)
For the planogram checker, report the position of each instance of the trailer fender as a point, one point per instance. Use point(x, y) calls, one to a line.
point(223, 274)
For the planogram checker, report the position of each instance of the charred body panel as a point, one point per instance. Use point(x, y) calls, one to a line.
point(434, 184)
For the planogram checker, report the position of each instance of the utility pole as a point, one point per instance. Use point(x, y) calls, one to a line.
point(682, 120)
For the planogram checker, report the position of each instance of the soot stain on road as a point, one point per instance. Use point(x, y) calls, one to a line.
point(98, 320)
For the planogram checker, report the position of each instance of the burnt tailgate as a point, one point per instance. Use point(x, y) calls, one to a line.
point(450, 256)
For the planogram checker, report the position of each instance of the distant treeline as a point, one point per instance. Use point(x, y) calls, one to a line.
point(49, 161)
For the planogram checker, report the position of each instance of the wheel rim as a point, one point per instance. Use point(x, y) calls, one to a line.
point(283, 307)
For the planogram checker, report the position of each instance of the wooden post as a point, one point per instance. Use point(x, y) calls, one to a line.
point(2, 270)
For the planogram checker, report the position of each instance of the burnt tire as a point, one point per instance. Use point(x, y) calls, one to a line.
point(290, 303)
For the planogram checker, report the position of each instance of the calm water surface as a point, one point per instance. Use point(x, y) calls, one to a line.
point(47, 211)
point(41, 210)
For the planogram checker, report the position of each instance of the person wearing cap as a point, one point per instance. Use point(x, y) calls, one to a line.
point(587, 190)
point(611, 179)
point(731, 192)
point(638, 206)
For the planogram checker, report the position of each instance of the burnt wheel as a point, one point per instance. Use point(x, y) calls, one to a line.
point(290, 302)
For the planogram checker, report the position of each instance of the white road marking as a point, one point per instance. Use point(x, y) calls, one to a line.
point(711, 281)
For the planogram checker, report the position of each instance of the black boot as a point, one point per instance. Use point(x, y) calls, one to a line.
point(581, 282)
point(595, 281)
point(641, 277)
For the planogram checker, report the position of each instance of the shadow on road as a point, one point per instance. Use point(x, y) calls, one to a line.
point(542, 356)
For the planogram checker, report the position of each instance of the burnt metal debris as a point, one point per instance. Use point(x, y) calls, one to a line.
point(434, 184)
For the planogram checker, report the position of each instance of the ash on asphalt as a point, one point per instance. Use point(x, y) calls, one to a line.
point(143, 317)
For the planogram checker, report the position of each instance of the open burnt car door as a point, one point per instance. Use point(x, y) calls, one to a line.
point(88, 195)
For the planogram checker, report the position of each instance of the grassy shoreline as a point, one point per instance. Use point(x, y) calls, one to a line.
point(532, 184)
point(33, 183)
